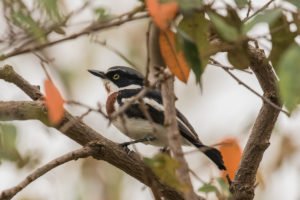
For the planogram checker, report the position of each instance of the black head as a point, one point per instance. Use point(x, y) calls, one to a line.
point(120, 77)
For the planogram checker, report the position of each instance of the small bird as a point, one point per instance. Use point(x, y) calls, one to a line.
point(123, 83)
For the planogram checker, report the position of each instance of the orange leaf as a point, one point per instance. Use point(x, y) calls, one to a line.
point(54, 102)
point(162, 14)
point(232, 154)
point(173, 58)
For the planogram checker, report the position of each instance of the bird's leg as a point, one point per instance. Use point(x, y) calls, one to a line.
point(165, 150)
point(145, 139)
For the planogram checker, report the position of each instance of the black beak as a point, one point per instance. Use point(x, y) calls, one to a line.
point(97, 73)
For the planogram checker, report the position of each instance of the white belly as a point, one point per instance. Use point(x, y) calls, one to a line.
point(139, 128)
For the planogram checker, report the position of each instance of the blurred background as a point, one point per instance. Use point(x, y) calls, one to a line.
point(223, 109)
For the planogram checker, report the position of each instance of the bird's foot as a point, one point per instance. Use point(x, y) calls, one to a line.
point(165, 150)
point(146, 139)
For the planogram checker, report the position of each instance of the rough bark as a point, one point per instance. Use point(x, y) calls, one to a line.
point(78, 131)
point(244, 180)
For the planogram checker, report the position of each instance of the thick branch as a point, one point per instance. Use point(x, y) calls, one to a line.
point(74, 155)
point(243, 184)
point(111, 152)
point(8, 74)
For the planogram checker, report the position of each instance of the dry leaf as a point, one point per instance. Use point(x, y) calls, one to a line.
point(232, 154)
point(174, 59)
point(162, 14)
point(54, 102)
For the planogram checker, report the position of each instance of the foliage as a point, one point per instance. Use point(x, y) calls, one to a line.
point(165, 168)
point(54, 102)
point(221, 189)
point(194, 31)
point(232, 154)
point(8, 147)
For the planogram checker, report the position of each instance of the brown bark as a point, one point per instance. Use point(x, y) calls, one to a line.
point(174, 138)
point(111, 152)
point(244, 181)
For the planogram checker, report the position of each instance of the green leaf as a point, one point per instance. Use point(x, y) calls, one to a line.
point(51, 8)
point(223, 184)
point(224, 187)
point(208, 188)
point(238, 57)
point(198, 28)
point(282, 37)
point(189, 6)
point(25, 22)
point(102, 13)
point(226, 31)
point(289, 75)
point(268, 16)
point(241, 3)
point(8, 150)
point(191, 54)
point(165, 168)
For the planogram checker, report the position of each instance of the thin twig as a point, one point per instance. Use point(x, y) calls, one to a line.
point(125, 106)
point(231, 68)
point(99, 110)
point(148, 53)
point(266, 100)
point(73, 155)
point(249, 8)
point(86, 31)
point(67, 125)
point(116, 51)
point(258, 11)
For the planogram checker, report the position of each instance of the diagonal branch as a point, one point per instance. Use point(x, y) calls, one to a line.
point(83, 152)
point(91, 29)
point(111, 152)
point(168, 97)
point(266, 100)
point(244, 180)
point(174, 138)
point(8, 74)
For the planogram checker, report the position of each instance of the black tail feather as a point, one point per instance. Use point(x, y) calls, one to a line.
point(213, 154)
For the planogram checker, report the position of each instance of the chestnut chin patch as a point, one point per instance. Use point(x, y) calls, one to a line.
point(107, 88)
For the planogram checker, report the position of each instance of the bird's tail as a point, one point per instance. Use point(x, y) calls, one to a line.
point(213, 154)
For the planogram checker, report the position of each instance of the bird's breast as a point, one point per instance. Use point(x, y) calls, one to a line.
point(110, 103)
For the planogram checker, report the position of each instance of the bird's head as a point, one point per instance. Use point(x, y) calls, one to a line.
point(119, 78)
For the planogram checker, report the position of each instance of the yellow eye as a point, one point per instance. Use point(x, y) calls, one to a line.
point(116, 76)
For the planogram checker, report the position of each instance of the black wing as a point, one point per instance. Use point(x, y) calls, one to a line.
point(185, 128)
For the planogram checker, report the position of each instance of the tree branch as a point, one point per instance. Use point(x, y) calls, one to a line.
point(91, 29)
point(84, 152)
point(168, 96)
point(244, 180)
point(174, 138)
point(266, 100)
point(111, 152)
point(8, 74)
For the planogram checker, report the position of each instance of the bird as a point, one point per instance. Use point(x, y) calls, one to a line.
point(122, 84)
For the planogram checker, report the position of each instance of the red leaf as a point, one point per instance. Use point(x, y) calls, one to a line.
point(54, 102)
point(174, 59)
point(162, 14)
point(232, 154)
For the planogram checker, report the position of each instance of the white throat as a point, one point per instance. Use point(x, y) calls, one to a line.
point(111, 87)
